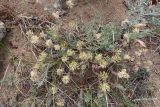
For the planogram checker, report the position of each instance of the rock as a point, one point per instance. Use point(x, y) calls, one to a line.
point(53, 5)
point(2, 30)
point(1, 105)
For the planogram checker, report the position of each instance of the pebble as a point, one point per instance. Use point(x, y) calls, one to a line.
point(2, 30)
point(1, 105)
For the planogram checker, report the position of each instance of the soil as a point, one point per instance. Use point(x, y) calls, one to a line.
point(152, 54)
point(85, 11)
point(20, 50)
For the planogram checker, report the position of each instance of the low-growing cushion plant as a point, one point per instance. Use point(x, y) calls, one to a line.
point(88, 65)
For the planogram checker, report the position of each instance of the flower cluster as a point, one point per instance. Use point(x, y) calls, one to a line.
point(70, 52)
point(85, 56)
point(117, 57)
point(104, 87)
point(70, 3)
point(73, 65)
point(60, 102)
point(101, 61)
point(33, 38)
point(80, 45)
point(123, 74)
point(64, 59)
point(60, 71)
point(54, 89)
point(66, 79)
point(126, 57)
point(49, 43)
point(103, 76)
point(38, 67)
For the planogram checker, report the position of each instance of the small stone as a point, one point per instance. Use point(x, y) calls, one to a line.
point(2, 30)
point(1, 105)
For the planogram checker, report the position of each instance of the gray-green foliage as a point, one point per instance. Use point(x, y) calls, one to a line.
point(141, 11)
point(92, 100)
point(110, 33)
point(154, 19)
point(137, 10)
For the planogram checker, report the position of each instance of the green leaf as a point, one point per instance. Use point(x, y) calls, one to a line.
point(120, 87)
point(87, 97)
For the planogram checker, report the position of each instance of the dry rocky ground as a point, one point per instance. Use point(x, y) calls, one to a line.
point(17, 59)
